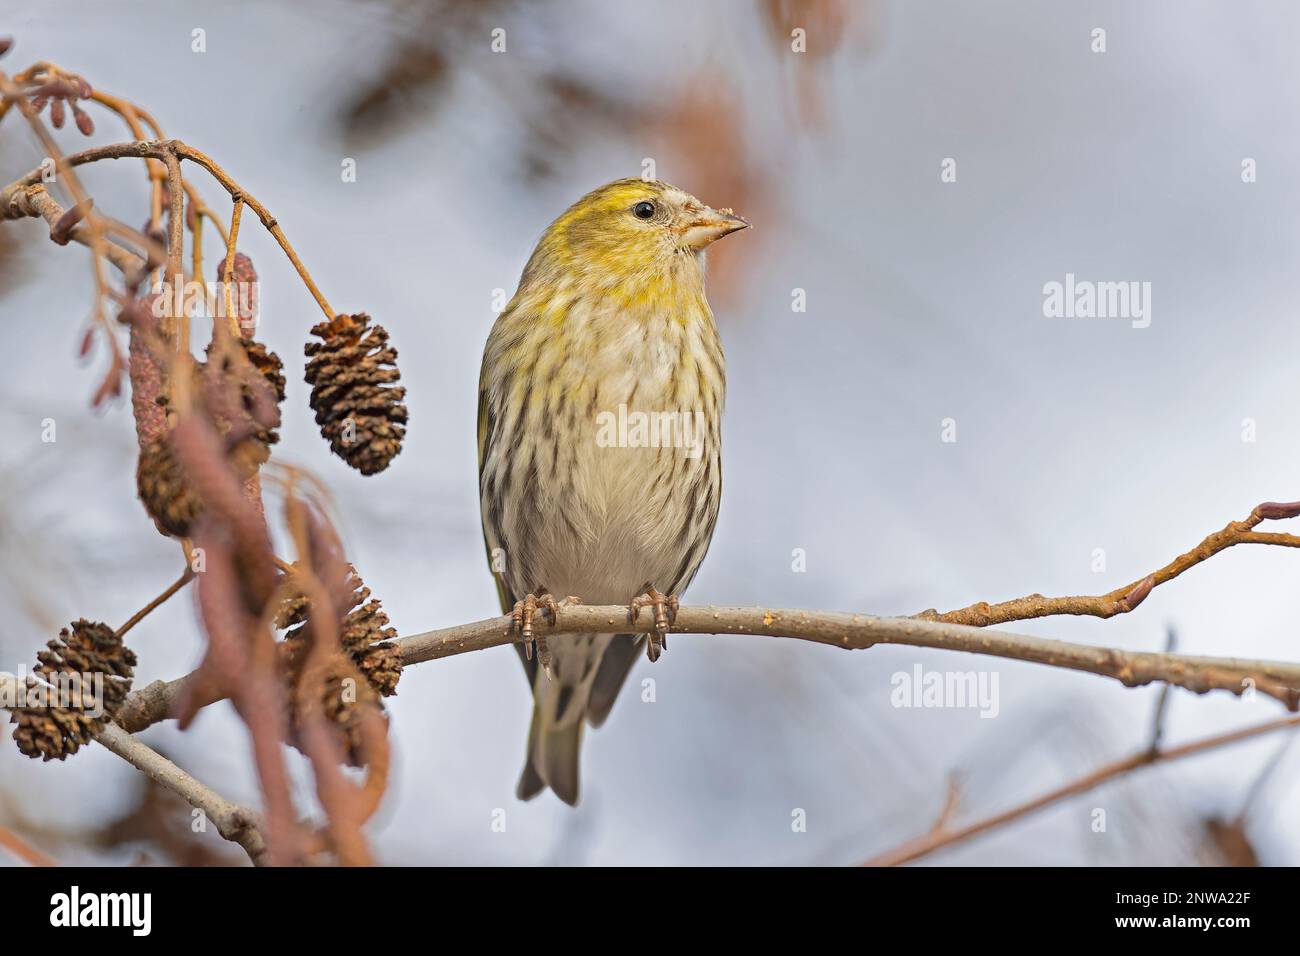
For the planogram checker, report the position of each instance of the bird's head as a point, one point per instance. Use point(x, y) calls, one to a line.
point(632, 227)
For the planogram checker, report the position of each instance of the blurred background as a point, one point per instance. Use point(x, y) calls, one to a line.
point(924, 302)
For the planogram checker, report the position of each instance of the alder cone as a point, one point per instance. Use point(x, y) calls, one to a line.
point(344, 701)
point(354, 394)
point(364, 635)
point(164, 490)
point(268, 363)
point(54, 731)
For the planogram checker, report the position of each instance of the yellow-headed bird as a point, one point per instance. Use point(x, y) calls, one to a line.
point(600, 472)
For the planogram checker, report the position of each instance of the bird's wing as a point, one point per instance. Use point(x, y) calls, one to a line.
point(615, 665)
point(485, 425)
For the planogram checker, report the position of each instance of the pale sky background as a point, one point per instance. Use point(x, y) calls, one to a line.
point(924, 303)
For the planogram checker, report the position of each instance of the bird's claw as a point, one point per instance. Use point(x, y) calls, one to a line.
point(524, 616)
point(665, 612)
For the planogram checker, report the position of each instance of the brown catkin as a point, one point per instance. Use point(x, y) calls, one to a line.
point(245, 411)
point(244, 293)
point(358, 405)
point(249, 426)
point(74, 709)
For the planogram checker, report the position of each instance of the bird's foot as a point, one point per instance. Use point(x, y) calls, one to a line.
point(524, 616)
point(665, 612)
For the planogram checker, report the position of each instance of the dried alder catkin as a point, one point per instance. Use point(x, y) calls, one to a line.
point(244, 402)
point(77, 701)
point(358, 405)
point(243, 405)
point(243, 291)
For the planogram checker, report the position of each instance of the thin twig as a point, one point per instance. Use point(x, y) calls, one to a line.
point(1126, 598)
point(95, 228)
point(132, 115)
point(35, 201)
point(951, 803)
point(22, 849)
point(1261, 782)
point(175, 251)
point(943, 837)
point(272, 225)
point(1162, 702)
point(186, 576)
point(160, 150)
point(228, 271)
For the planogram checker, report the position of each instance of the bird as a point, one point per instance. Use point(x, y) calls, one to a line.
point(599, 446)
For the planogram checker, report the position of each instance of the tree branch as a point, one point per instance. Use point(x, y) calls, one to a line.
point(33, 200)
point(186, 576)
point(175, 149)
point(849, 631)
point(942, 836)
point(22, 849)
point(236, 823)
point(1126, 598)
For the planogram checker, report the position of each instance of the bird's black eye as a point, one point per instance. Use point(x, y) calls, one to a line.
point(644, 209)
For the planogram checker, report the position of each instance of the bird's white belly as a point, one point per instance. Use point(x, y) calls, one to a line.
point(608, 509)
point(614, 534)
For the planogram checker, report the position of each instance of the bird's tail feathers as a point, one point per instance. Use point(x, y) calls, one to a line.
point(554, 739)
point(560, 708)
point(552, 761)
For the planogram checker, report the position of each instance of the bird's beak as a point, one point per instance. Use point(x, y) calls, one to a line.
point(710, 225)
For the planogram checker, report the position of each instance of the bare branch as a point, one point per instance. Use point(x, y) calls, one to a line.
point(1162, 703)
point(860, 631)
point(174, 148)
point(1126, 598)
point(942, 837)
point(849, 631)
point(1263, 779)
point(234, 822)
point(22, 849)
point(34, 201)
